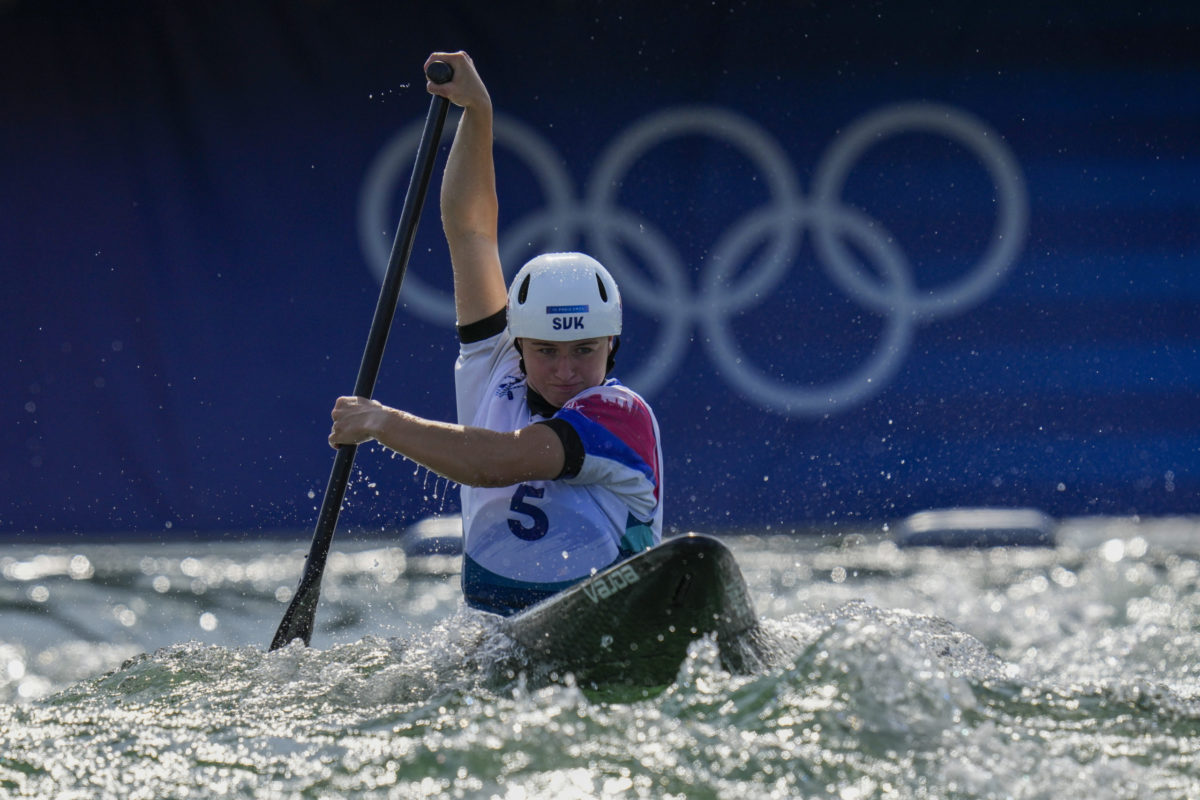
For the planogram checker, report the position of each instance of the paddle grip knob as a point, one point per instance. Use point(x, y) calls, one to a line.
point(439, 72)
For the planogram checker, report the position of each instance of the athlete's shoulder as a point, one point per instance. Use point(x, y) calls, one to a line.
point(488, 382)
point(620, 438)
point(617, 409)
point(608, 399)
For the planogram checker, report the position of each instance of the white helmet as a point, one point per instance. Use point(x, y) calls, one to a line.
point(560, 297)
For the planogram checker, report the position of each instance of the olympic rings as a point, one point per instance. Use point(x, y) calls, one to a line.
point(1009, 234)
point(610, 232)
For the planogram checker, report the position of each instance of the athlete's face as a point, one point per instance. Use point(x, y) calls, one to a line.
point(560, 370)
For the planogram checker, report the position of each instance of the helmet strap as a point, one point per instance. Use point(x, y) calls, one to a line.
point(521, 363)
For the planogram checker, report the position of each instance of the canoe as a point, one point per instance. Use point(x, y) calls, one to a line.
point(632, 623)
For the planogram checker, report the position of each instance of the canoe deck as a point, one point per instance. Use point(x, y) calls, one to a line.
point(632, 623)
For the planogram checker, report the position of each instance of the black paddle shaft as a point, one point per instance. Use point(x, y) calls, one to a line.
point(297, 621)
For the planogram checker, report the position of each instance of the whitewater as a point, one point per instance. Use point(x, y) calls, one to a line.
point(140, 670)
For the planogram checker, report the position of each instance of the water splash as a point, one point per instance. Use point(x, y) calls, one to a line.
point(411, 695)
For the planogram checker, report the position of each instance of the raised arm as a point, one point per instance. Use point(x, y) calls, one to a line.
point(469, 204)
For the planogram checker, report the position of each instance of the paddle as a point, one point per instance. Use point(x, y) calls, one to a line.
point(297, 621)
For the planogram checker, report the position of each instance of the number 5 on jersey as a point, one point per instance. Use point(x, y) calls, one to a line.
point(539, 523)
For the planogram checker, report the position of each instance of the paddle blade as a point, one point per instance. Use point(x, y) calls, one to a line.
point(297, 622)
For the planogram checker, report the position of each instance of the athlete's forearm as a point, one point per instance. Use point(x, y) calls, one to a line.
point(470, 209)
point(469, 216)
point(470, 206)
point(469, 455)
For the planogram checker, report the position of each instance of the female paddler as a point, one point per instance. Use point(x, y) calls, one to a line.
point(560, 465)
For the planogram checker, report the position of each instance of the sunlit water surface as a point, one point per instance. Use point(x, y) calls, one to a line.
point(141, 671)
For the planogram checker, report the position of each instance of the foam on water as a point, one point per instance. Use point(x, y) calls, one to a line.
point(890, 674)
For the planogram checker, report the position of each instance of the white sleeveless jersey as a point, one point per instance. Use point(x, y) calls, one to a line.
point(524, 542)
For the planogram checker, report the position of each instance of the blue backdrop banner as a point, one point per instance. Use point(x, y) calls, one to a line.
point(875, 257)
